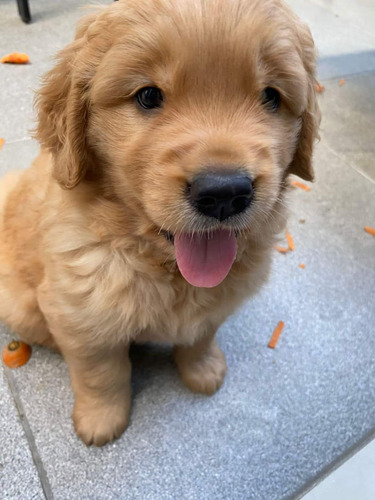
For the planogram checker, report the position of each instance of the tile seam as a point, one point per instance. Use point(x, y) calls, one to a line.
point(349, 164)
point(43, 478)
point(334, 465)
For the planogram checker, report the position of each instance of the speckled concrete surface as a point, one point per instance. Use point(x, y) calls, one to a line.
point(18, 475)
point(282, 416)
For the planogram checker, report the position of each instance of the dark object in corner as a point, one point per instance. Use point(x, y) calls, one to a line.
point(24, 11)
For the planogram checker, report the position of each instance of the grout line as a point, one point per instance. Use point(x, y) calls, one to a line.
point(47, 490)
point(347, 163)
point(366, 176)
point(334, 465)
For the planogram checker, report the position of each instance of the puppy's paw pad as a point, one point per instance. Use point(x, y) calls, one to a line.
point(100, 425)
point(204, 375)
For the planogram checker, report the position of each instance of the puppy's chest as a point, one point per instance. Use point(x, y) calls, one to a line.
point(125, 296)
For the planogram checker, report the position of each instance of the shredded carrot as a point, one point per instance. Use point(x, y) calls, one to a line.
point(302, 266)
point(370, 230)
point(302, 221)
point(341, 82)
point(320, 88)
point(301, 185)
point(282, 249)
point(276, 335)
point(16, 58)
point(1, 143)
point(290, 241)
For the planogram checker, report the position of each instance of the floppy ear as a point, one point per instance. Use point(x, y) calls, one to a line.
point(63, 108)
point(301, 164)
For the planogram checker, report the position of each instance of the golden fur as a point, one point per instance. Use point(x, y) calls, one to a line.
point(84, 266)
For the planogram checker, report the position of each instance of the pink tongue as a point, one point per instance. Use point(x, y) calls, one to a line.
point(205, 261)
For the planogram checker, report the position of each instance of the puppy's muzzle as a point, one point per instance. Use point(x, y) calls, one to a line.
point(221, 194)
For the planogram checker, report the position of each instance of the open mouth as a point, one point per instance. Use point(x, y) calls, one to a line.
point(221, 196)
point(204, 260)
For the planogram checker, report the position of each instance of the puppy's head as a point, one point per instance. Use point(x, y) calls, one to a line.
point(189, 113)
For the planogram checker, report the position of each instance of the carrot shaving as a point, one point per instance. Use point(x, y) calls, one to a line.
point(1, 143)
point(301, 185)
point(16, 58)
point(341, 82)
point(281, 249)
point(302, 266)
point(276, 335)
point(290, 241)
point(320, 88)
point(290, 246)
point(370, 230)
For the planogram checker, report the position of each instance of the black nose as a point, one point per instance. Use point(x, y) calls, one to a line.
point(221, 195)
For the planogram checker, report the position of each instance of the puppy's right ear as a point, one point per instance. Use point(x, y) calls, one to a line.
point(301, 164)
point(63, 108)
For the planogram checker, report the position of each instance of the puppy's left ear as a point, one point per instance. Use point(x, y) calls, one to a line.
point(301, 164)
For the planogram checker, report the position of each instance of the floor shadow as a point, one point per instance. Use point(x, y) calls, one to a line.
point(150, 361)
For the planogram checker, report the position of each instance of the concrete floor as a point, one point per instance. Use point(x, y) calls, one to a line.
point(283, 418)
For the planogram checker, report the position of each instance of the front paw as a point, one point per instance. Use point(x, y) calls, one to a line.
point(98, 422)
point(204, 372)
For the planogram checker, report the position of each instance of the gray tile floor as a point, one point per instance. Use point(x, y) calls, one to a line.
point(283, 418)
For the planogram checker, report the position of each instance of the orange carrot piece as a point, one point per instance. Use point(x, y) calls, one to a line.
point(302, 266)
point(1, 143)
point(320, 88)
point(16, 58)
point(276, 335)
point(341, 82)
point(301, 185)
point(302, 221)
point(16, 354)
point(290, 241)
point(370, 230)
point(281, 249)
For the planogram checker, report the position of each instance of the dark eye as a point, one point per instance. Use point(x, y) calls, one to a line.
point(149, 97)
point(271, 98)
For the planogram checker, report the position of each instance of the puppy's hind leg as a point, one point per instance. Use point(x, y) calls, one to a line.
point(7, 184)
point(20, 311)
point(18, 303)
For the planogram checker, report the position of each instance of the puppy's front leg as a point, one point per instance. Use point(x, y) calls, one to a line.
point(101, 385)
point(202, 365)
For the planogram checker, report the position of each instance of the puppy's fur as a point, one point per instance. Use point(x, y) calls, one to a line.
point(84, 265)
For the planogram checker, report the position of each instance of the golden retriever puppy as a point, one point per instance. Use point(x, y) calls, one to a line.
point(168, 130)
